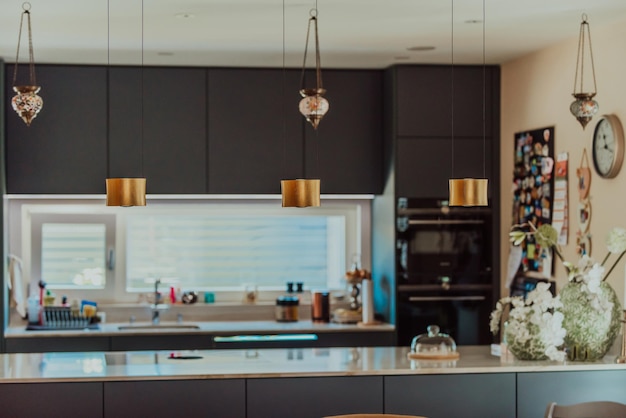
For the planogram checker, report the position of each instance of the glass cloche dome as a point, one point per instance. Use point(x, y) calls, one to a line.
point(433, 345)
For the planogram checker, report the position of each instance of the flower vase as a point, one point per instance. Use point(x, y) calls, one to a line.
point(528, 347)
point(592, 320)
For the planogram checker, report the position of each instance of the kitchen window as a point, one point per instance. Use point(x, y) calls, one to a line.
point(114, 254)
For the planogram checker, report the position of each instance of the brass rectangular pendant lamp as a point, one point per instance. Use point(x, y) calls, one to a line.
point(313, 106)
point(468, 191)
point(127, 191)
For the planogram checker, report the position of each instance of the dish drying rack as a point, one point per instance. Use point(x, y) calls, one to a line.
point(62, 318)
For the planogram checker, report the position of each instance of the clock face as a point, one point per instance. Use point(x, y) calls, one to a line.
point(608, 147)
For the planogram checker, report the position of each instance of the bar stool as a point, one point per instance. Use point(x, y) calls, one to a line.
point(600, 409)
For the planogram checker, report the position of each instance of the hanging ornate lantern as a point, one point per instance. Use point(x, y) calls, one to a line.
point(313, 104)
point(26, 102)
point(584, 107)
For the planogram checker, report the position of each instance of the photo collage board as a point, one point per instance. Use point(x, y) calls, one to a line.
point(533, 192)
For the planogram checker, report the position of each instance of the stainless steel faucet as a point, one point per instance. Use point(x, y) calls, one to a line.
point(155, 307)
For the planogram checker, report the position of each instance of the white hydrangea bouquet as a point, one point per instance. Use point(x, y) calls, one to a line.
point(534, 329)
point(591, 309)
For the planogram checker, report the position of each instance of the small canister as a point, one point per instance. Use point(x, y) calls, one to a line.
point(287, 308)
point(320, 306)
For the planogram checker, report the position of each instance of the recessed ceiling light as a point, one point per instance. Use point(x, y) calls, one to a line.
point(473, 21)
point(185, 15)
point(421, 48)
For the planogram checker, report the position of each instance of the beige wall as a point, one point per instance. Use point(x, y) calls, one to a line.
point(536, 92)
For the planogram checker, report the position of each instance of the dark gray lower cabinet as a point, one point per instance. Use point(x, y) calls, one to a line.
point(446, 396)
point(50, 344)
point(51, 400)
point(161, 342)
point(536, 390)
point(175, 398)
point(313, 397)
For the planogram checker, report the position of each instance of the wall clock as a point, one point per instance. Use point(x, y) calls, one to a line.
point(608, 146)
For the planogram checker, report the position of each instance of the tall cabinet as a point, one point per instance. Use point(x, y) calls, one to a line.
point(446, 126)
point(440, 122)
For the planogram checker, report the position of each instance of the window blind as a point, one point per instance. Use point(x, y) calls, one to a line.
point(221, 252)
point(73, 255)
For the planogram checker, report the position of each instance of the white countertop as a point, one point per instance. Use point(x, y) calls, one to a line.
point(297, 362)
point(208, 327)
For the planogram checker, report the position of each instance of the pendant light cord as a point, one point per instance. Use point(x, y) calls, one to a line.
point(108, 80)
point(318, 80)
point(284, 90)
point(141, 133)
point(452, 84)
point(484, 100)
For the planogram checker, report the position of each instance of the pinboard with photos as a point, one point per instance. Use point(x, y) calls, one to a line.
point(533, 190)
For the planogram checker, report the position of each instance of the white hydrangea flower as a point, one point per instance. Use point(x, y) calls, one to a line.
point(616, 240)
point(534, 322)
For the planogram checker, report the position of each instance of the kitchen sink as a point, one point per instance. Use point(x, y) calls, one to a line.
point(155, 327)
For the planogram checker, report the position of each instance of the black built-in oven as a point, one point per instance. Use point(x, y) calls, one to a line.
point(443, 265)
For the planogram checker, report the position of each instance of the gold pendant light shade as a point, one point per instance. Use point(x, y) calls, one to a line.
point(468, 192)
point(126, 192)
point(300, 193)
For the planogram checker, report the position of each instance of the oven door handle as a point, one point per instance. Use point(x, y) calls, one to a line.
point(446, 222)
point(443, 298)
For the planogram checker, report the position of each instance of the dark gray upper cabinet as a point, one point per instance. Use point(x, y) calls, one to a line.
point(255, 130)
point(175, 134)
point(427, 151)
point(157, 127)
point(125, 151)
point(424, 165)
point(432, 99)
point(346, 150)
point(195, 131)
point(65, 148)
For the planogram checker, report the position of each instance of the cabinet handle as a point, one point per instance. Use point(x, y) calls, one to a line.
point(443, 298)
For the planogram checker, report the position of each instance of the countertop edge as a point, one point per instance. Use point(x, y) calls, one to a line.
point(204, 328)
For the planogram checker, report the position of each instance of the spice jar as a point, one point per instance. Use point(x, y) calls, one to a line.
point(287, 308)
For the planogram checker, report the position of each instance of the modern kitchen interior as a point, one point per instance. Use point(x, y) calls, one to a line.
point(311, 208)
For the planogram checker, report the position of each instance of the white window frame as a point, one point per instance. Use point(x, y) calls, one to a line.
point(357, 224)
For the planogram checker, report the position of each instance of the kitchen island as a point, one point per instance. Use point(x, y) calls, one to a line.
point(299, 382)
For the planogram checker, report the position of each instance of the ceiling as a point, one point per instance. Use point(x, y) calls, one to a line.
point(249, 33)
